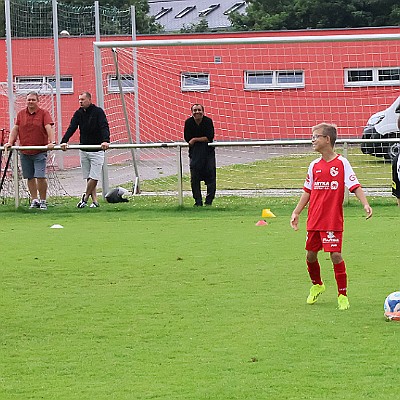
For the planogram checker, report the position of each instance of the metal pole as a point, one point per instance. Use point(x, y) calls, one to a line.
point(105, 183)
point(10, 94)
point(60, 158)
point(135, 76)
point(180, 171)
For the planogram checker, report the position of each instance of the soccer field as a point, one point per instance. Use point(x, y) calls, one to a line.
point(148, 301)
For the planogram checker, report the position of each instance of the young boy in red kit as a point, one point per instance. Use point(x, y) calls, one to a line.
point(324, 190)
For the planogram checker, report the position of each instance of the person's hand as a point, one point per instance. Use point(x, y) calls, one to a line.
point(368, 211)
point(64, 146)
point(192, 141)
point(50, 146)
point(294, 221)
point(7, 146)
point(105, 145)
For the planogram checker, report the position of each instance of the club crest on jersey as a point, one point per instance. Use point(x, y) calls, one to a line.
point(334, 171)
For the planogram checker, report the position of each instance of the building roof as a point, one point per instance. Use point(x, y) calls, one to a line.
point(176, 14)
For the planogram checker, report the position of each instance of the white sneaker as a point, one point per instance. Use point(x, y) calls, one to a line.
point(43, 205)
point(35, 204)
point(95, 204)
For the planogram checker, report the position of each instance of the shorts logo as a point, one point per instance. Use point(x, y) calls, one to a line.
point(331, 239)
point(334, 185)
point(334, 171)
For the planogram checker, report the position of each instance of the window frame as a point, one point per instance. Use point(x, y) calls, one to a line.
point(125, 89)
point(162, 12)
point(41, 84)
point(208, 10)
point(234, 7)
point(276, 82)
point(185, 11)
point(376, 77)
point(185, 87)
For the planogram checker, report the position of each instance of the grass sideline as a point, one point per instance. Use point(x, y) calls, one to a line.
point(146, 300)
point(273, 173)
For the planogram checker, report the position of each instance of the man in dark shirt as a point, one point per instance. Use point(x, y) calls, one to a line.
point(198, 132)
point(94, 130)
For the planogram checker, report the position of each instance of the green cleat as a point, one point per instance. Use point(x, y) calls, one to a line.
point(315, 291)
point(343, 302)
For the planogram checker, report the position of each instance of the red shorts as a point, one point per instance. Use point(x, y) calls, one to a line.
point(329, 241)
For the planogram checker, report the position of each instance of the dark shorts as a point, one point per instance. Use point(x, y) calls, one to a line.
point(33, 165)
point(395, 178)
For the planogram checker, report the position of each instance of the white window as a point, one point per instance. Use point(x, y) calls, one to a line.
point(235, 7)
point(195, 81)
point(43, 84)
point(162, 12)
point(389, 76)
point(185, 11)
point(208, 10)
point(261, 80)
point(127, 83)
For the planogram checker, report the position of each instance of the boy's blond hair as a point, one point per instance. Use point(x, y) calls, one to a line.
point(327, 130)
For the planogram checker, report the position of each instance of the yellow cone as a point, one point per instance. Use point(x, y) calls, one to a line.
point(267, 213)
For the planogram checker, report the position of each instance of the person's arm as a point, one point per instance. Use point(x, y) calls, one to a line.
point(104, 129)
point(194, 140)
point(208, 130)
point(363, 199)
point(73, 126)
point(12, 138)
point(187, 131)
point(294, 220)
point(50, 136)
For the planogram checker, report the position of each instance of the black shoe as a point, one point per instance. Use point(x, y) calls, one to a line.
point(198, 205)
point(82, 203)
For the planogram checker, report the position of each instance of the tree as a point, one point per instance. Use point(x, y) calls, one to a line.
point(2, 20)
point(201, 26)
point(303, 14)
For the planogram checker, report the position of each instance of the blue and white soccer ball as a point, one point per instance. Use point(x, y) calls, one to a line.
point(392, 307)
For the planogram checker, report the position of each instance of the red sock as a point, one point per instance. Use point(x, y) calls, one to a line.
point(341, 277)
point(314, 271)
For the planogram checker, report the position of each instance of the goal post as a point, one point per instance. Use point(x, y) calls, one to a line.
point(294, 81)
point(254, 87)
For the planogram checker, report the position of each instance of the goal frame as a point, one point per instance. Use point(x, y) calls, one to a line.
point(224, 41)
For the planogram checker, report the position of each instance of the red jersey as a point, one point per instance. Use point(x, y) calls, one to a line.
point(326, 182)
point(31, 128)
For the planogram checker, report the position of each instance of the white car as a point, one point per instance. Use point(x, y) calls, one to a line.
point(383, 125)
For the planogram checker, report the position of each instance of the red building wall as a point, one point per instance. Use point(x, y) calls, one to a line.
point(238, 114)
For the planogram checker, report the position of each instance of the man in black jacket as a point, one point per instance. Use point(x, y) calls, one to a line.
point(198, 132)
point(94, 130)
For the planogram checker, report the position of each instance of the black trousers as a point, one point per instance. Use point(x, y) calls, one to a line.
point(395, 178)
point(207, 174)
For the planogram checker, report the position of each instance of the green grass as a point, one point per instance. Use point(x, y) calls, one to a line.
point(273, 173)
point(145, 300)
